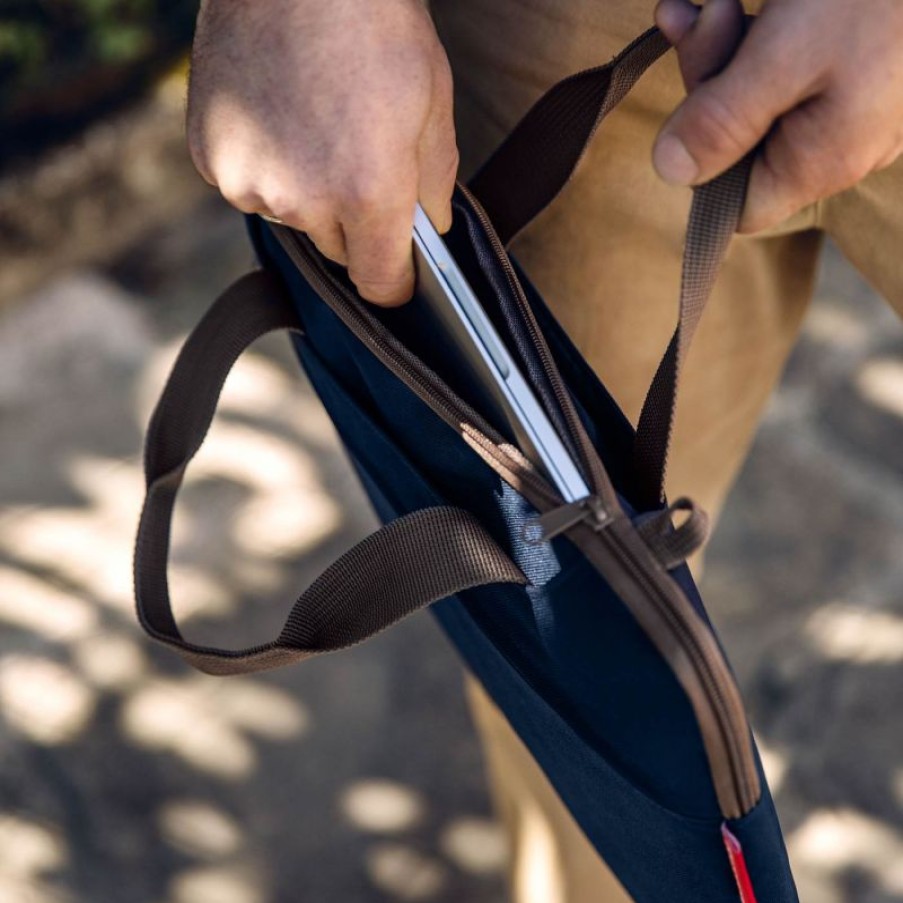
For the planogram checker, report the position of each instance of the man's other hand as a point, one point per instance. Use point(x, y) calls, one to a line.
point(335, 116)
point(819, 83)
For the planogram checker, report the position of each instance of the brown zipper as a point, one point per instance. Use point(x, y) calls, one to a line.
point(732, 745)
point(593, 468)
point(435, 392)
point(602, 531)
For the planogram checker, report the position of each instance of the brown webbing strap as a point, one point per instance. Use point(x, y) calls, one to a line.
point(714, 215)
point(532, 165)
point(415, 560)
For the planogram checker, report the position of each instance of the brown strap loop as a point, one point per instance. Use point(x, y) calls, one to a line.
point(412, 562)
point(674, 545)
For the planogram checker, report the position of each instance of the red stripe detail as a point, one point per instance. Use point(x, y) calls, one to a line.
point(738, 865)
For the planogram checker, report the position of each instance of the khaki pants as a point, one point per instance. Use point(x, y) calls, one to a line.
point(606, 257)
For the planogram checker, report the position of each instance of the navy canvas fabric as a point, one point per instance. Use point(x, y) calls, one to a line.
point(577, 678)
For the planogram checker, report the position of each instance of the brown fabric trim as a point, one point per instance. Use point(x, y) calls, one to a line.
point(507, 460)
point(691, 650)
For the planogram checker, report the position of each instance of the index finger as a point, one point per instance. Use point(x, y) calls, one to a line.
point(379, 244)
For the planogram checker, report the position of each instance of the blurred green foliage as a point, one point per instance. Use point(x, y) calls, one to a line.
point(64, 61)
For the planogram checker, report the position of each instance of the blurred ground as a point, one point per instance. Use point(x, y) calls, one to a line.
point(127, 779)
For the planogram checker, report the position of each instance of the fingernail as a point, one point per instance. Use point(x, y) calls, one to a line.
point(673, 161)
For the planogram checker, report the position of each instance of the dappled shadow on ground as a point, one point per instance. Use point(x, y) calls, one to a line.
point(129, 778)
point(805, 578)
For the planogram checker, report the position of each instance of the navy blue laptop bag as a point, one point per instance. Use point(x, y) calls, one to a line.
point(581, 620)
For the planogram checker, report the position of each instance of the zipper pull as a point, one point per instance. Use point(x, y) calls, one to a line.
point(559, 520)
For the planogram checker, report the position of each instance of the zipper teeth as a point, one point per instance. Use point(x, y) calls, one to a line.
point(562, 396)
point(430, 388)
point(436, 393)
point(733, 734)
point(730, 731)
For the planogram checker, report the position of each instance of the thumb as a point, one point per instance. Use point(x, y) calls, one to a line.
point(728, 114)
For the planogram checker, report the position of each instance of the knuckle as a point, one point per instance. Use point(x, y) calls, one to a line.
point(293, 199)
point(374, 291)
point(444, 82)
point(328, 246)
point(889, 157)
point(817, 173)
point(848, 170)
point(383, 277)
point(452, 164)
point(199, 153)
point(240, 195)
point(382, 292)
point(361, 200)
point(815, 158)
point(801, 166)
point(373, 278)
point(719, 128)
point(284, 205)
point(366, 196)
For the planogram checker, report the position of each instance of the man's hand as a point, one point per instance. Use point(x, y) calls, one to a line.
point(821, 81)
point(335, 116)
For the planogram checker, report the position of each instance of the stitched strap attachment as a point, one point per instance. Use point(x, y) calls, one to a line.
point(674, 545)
point(411, 562)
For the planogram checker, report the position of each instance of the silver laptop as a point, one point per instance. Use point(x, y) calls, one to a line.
point(442, 287)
